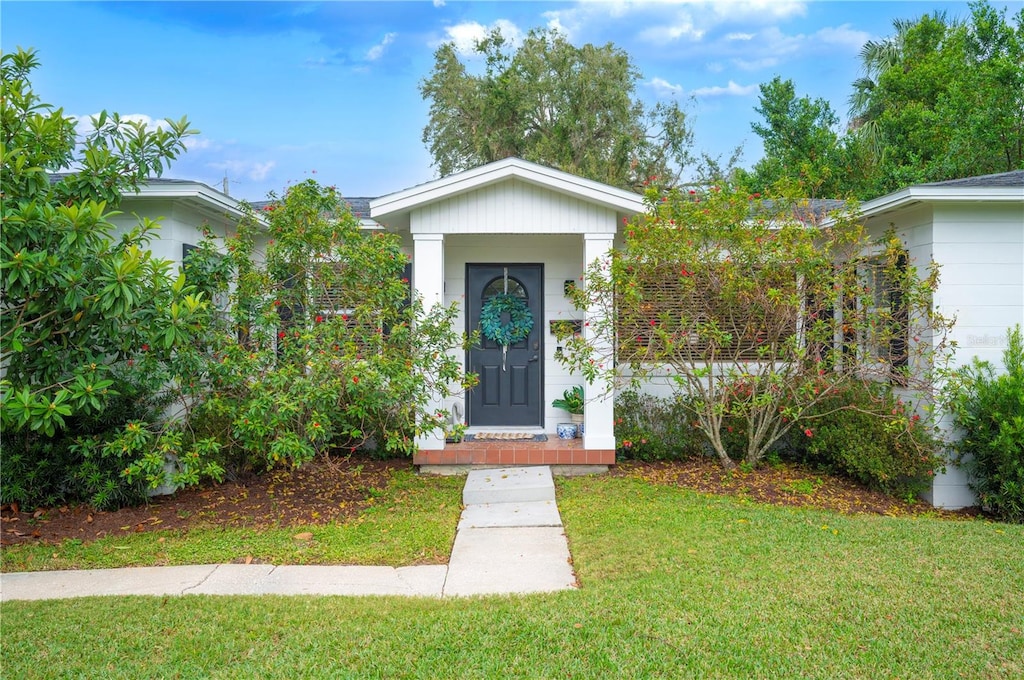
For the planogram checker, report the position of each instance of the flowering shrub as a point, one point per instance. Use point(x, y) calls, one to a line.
point(747, 305)
point(866, 432)
point(334, 353)
point(652, 428)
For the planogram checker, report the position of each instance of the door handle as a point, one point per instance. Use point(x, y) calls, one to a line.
point(532, 359)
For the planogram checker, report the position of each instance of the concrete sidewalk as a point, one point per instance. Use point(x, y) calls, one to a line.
point(509, 540)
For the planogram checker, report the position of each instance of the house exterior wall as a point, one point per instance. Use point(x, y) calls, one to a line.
point(980, 251)
point(179, 224)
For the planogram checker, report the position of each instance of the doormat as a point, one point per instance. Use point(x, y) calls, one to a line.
point(506, 436)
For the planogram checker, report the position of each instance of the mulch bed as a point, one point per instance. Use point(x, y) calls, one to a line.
point(788, 485)
point(320, 492)
point(325, 491)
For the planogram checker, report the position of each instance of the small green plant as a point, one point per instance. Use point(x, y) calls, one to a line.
point(803, 487)
point(652, 428)
point(989, 409)
point(571, 401)
point(456, 432)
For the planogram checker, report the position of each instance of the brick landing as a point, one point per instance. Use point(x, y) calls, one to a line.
point(552, 452)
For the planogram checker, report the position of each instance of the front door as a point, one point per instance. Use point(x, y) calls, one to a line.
point(510, 390)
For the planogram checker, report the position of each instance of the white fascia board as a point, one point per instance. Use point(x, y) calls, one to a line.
point(556, 180)
point(921, 194)
point(200, 193)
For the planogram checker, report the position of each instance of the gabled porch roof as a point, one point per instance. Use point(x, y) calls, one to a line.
point(394, 209)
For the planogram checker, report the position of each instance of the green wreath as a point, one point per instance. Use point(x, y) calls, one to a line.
point(520, 321)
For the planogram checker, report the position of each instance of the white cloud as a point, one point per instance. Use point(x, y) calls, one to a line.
point(730, 90)
point(772, 45)
point(755, 64)
point(843, 36)
point(438, 3)
point(84, 124)
point(663, 88)
point(197, 143)
point(682, 27)
point(255, 171)
point(555, 24)
point(715, 66)
point(740, 36)
point(466, 35)
point(375, 52)
point(747, 9)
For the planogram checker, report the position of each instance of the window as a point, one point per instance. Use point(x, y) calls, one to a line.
point(707, 315)
point(213, 279)
point(888, 340)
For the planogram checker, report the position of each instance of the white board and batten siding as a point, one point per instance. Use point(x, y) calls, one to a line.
point(981, 252)
point(512, 207)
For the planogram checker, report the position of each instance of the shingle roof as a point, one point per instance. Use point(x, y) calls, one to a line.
point(813, 208)
point(1014, 178)
point(360, 206)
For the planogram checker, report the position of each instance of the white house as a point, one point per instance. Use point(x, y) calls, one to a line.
point(528, 230)
point(974, 229)
point(512, 226)
point(182, 206)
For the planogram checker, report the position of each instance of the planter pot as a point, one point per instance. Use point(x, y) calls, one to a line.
point(577, 419)
point(566, 430)
point(168, 487)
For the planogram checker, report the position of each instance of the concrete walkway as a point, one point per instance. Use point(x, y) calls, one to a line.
point(509, 540)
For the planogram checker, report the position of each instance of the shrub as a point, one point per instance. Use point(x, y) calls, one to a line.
point(323, 349)
point(72, 465)
point(866, 432)
point(651, 428)
point(989, 408)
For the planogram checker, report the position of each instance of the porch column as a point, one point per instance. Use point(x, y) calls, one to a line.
point(428, 282)
point(599, 414)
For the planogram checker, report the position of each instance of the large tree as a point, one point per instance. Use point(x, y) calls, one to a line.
point(92, 326)
point(941, 99)
point(79, 300)
point(571, 108)
point(803, 149)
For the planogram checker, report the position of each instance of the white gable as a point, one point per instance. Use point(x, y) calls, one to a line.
point(509, 196)
point(512, 207)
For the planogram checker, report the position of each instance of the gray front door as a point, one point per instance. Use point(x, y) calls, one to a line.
point(510, 388)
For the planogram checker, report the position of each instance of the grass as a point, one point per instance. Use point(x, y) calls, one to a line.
point(673, 584)
point(411, 522)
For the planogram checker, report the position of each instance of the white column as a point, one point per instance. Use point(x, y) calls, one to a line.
point(599, 413)
point(428, 282)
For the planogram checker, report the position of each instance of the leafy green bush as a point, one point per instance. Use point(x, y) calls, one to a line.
point(866, 432)
point(652, 428)
point(323, 349)
point(72, 465)
point(989, 408)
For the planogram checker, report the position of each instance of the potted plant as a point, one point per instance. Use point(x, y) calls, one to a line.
point(572, 401)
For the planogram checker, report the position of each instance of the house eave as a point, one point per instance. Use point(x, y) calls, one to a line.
point(196, 194)
point(393, 207)
point(915, 195)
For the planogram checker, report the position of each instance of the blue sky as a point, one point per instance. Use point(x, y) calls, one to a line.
point(282, 91)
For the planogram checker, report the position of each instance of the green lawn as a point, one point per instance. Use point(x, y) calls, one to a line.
point(673, 584)
point(412, 521)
